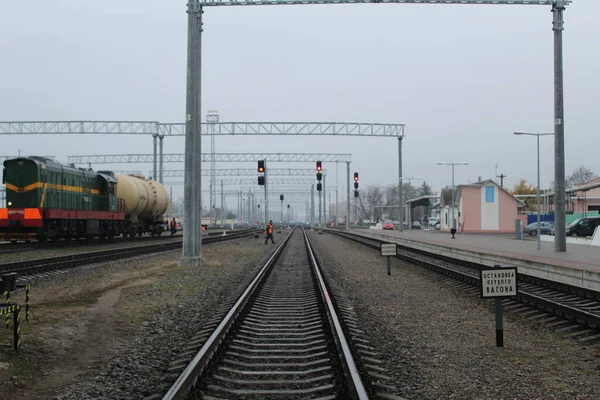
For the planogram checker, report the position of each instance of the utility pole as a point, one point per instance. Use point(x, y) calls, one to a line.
point(560, 238)
point(537, 135)
point(192, 228)
point(400, 199)
point(212, 117)
point(222, 205)
point(454, 225)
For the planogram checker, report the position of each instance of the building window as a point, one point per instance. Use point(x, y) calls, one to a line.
point(489, 194)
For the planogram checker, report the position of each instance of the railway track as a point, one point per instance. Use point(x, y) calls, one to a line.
point(30, 267)
point(282, 339)
point(11, 248)
point(572, 310)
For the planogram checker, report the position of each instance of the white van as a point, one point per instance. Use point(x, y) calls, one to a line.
point(432, 221)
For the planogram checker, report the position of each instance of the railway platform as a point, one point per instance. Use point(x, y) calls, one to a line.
point(579, 265)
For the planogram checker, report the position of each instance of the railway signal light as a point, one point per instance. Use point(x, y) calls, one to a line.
point(319, 176)
point(319, 166)
point(319, 187)
point(261, 166)
point(261, 180)
point(355, 185)
point(356, 176)
point(356, 193)
point(281, 197)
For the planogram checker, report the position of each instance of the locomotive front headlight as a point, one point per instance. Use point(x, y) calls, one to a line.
point(9, 203)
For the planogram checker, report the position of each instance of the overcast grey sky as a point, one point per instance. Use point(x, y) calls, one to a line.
point(462, 79)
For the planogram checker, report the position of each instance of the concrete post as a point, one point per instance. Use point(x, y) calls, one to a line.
point(160, 159)
point(192, 228)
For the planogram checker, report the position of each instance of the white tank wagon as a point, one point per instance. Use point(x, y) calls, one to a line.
point(145, 202)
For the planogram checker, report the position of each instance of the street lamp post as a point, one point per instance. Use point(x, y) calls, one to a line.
point(453, 229)
point(539, 244)
point(409, 208)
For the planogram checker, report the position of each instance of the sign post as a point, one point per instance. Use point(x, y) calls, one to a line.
point(498, 283)
point(389, 250)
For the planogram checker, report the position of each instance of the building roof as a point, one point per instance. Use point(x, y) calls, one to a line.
point(593, 184)
point(422, 200)
point(446, 197)
point(486, 182)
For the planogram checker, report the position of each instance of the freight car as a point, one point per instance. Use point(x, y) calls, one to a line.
point(46, 200)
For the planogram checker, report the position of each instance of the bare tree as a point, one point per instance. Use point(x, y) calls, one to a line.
point(580, 175)
point(391, 195)
point(373, 197)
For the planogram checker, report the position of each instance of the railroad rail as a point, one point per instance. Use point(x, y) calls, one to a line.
point(281, 339)
point(575, 310)
point(30, 267)
point(22, 247)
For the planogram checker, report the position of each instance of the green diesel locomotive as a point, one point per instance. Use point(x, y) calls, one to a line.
point(46, 200)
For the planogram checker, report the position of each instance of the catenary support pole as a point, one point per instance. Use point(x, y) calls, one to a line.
point(324, 199)
point(155, 157)
point(560, 238)
point(192, 228)
point(400, 197)
point(539, 244)
point(160, 159)
point(337, 188)
point(222, 206)
point(453, 225)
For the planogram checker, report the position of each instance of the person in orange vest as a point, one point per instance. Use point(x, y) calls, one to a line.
point(269, 232)
point(173, 226)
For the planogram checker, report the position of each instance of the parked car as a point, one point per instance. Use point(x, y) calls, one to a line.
point(416, 225)
point(581, 227)
point(388, 224)
point(531, 229)
point(432, 221)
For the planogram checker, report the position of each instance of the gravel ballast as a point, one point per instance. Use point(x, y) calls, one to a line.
point(114, 332)
point(439, 342)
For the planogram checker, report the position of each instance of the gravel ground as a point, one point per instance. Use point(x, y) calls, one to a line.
point(113, 333)
point(439, 342)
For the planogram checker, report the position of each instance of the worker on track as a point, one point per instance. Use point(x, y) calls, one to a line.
point(269, 232)
point(173, 226)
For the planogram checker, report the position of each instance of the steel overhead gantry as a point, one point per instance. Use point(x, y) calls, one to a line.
point(179, 173)
point(275, 193)
point(210, 128)
point(279, 181)
point(209, 3)
point(207, 128)
point(206, 157)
